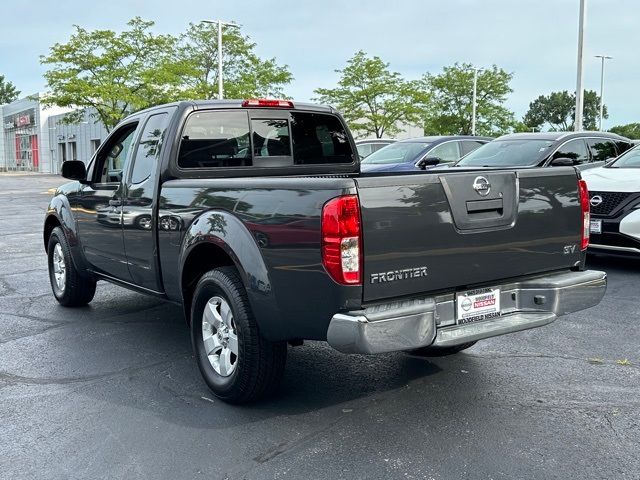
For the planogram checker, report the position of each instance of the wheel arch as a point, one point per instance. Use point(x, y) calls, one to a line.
point(216, 239)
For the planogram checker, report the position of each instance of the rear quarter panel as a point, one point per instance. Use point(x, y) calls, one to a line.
point(279, 218)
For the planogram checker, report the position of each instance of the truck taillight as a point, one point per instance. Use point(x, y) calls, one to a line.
point(584, 205)
point(342, 239)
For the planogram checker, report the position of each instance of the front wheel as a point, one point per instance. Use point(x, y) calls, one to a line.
point(236, 362)
point(71, 287)
point(441, 351)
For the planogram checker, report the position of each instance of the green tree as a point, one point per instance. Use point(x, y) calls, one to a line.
point(373, 99)
point(630, 130)
point(113, 73)
point(245, 74)
point(8, 92)
point(451, 108)
point(558, 110)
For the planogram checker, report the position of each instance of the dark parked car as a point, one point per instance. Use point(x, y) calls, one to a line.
point(367, 146)
point(263, 229)
point(420, 153)
point(543, 149)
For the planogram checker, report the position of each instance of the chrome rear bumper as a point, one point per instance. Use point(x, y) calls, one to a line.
point(411, 324)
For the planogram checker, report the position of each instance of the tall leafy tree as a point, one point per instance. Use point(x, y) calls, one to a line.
point(451, 108)
point(373, 99)
point(558, 111)
point(8, 92)
point(630, 130)
point(113, 73)
point(245, 74)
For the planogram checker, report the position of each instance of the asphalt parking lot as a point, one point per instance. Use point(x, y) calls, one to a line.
point(112, 391)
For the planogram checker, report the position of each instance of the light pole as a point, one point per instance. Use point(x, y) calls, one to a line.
point(220, 25)
point(579, 87)
point(474, 102)
point(603, 58)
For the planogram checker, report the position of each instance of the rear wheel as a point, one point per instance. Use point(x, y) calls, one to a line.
point(236, 362)
point(441, 351)
point(71, 287)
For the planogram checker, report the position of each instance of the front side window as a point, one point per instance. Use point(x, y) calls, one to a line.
point(214, 140)
point(113, 158)
point(575, 150)
point(400, 152)
point(149, 147)
point(447, 152)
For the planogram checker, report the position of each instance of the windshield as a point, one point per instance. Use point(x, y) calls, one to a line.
point(508, 153)
point(630, 159)
point(401, 152)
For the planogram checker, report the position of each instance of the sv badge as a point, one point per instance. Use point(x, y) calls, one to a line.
point(569, 249)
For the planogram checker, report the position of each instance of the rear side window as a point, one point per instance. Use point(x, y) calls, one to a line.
point(601, 149)
point(576, 150)
point(149, 147)
point(319, 139)
point(469, 146)
point(622, 146)
point(214, 140)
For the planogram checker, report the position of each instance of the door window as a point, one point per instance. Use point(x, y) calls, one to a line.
point(114, 156)
point(601, 149)
point(576, 150)
point(364, 149)
point(469, 146)
point(149, 147)
point(447, 152)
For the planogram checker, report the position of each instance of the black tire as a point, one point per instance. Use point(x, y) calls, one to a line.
point(441, 351)
point(79, 288)
point(260, 363)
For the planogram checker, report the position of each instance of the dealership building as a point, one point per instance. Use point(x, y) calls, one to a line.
point(35, 139)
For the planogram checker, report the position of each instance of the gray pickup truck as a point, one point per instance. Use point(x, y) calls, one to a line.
point(253, 215)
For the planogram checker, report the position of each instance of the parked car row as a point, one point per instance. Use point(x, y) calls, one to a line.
point(420, 153)
point(610, 164)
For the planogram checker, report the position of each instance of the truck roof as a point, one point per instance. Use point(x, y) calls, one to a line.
point(235, 103)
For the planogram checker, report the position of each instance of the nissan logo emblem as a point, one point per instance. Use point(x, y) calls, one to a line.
point(595, 200)
point(482, 186)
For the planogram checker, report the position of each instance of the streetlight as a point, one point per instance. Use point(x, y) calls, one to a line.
point(603, 58)
point(475, 95)
point(220, 24)
point(579, 87)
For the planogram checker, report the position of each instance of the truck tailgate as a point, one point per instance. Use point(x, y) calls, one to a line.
point(446, 230)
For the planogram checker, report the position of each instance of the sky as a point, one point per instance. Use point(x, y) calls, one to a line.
point(534, 39)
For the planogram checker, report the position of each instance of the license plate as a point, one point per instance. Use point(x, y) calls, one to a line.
point(477, 305)
point(595, 226)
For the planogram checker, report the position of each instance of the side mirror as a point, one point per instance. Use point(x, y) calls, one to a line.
point(428, 162)
point(74, 170)
point(609, 161)
point(562, 162)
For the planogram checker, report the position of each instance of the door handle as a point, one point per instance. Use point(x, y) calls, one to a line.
point(115, 203)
